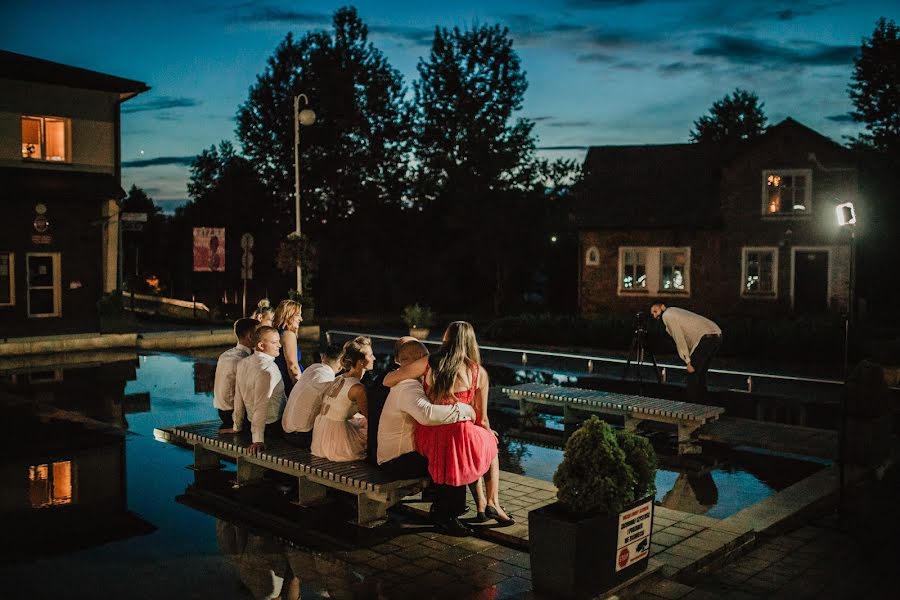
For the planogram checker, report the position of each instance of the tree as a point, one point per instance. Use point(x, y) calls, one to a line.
point(144, 251)
point(875, 90)
point(352, 158)
point(734, 118)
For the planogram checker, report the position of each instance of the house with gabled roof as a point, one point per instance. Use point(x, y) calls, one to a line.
point(60, 184)
point(748, 229)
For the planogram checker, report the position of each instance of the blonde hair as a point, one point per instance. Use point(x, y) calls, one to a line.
point(263, 309)
point(355, 351)
point(285, 313)
point(261, 332)
point(459, 349)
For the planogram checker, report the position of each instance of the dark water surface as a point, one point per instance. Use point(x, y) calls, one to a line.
point(91, 511)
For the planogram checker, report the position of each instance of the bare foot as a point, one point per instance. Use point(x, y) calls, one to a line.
point(224, 430)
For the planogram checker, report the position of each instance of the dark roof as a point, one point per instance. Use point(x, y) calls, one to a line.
point(59, 184)
point(649, 187)
point(28, 68)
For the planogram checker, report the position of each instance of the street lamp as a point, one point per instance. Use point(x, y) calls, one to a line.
point(846, 219)
point(301, 117)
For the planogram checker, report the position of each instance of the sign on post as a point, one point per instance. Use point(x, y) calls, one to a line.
point(634, 535)
point(209, 249)
point(246, 266)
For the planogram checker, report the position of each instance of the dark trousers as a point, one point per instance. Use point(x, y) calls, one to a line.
point(449, 501)
point(701, 357)
point(274, 431)
point(300, 439)
point(227, 417)
point(406, 466)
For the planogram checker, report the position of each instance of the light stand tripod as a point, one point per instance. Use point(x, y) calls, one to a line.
point(639, 351)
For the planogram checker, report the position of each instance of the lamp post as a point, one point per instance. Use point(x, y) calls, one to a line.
point(846, 219)
point(301, 117)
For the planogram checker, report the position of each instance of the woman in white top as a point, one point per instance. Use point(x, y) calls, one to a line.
point(341, 429)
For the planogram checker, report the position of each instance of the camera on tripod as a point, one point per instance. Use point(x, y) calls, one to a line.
point(639, 323)
point(639, 349)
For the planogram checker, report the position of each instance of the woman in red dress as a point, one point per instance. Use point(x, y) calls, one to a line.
point(458, 453)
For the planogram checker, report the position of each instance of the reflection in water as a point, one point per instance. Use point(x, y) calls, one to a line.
point(692, 493)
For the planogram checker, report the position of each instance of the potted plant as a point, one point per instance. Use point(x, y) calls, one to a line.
point(597, 534)
point(418, 319)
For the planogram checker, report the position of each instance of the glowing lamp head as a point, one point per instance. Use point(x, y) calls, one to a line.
point(307, 117)
point(846, 215)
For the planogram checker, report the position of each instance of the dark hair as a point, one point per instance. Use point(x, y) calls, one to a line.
point(332, 352)
point(244, 326)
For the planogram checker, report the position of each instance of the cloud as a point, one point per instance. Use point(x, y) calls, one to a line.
point(681, 68)
point(168, 205)
point(419, 36)
point(181, 161)
point(161, 103)
point(279, 16)
point(584, 123)
point(603, 3)
point(843, 118)
point(749, 50)
point(562, 147)
point(595, 57)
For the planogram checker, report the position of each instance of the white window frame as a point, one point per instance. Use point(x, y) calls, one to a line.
point(12, 278)
point(592, 257)
point(67, 123)
point(773, 295)
point(653, 271)
point(807, 193)
point(57, 285)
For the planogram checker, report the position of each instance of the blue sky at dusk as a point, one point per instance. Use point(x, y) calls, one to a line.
point(599, 72)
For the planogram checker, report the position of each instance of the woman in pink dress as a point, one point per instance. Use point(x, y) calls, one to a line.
point(458, 453)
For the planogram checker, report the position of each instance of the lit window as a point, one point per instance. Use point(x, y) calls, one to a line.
point(673, 270)
point(592, 257)
point(760, 272)
point(786, 192)
point(634, 270)
point(7, 279)
point(45, 138)
point(44, 284)
point(50, 484)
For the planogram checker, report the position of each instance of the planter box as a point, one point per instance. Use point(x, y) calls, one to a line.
point(579, 557)
point(420, 333)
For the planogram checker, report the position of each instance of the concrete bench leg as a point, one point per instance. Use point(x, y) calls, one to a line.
point(631, 424)
point(686, 442)
point(370, 511)
point(205, 460)
point(309, 492)
point(247, 472)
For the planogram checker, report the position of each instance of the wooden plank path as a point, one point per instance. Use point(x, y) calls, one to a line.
point(375, 491)
point(686, 416)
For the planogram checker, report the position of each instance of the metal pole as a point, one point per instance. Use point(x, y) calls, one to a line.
point(297, 185)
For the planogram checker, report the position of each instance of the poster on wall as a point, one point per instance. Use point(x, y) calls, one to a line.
point(209, 249)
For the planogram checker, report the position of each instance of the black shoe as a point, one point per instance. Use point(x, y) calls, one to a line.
point(480, 518)
point(491, 513)
point(453, 527)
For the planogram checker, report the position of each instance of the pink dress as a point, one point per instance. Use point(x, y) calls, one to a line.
point(457, 453)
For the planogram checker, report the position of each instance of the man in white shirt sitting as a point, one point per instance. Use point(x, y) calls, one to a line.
point(405, 406)
point(259, 390)
point(305, 400)
point(226, 367)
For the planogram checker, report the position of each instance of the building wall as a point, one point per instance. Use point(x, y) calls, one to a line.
point(93, 124)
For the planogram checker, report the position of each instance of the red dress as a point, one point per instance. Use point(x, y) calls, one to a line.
point(457, 453)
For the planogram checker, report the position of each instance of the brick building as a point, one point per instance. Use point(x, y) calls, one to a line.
point(61, 185)
point(750, 230)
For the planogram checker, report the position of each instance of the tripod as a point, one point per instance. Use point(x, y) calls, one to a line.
point(638, 353)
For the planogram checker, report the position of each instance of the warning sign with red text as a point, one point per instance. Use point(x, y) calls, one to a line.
point(634, 535)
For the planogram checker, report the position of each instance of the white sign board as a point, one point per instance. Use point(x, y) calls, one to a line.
point(634, 535)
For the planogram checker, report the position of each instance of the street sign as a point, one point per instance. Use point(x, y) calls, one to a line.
point(247, 241)
point(134, 217)
point(132, 226)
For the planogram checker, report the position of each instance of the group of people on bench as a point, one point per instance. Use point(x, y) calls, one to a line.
point(432, 422)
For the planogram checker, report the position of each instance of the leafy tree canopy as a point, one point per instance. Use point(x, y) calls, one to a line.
point(875, 90)
point(736, 117)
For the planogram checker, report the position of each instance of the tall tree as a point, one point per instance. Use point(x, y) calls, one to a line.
point(351, 159)
point(875, 90)
point(738, 116)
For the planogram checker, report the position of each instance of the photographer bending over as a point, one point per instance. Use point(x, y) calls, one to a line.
point(697, 340)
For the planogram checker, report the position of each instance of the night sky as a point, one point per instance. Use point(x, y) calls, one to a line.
point(599, 72)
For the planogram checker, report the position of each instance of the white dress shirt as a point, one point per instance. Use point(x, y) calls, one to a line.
point(687, 329)
point(407, 404)
point(306, 398)
point(226, 367)
point(258, 391)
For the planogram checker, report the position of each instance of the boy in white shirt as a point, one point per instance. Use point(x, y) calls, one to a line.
point(259, 390)
point(226, 367)
point(305, 399)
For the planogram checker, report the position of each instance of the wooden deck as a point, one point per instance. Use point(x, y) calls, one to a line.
point(687, 417)
point(374, 490)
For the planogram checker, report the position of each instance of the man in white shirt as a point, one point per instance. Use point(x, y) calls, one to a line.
point(405, 406)
point(226, 367)
point(259, 390)
point(697, 340)
point(305, 399)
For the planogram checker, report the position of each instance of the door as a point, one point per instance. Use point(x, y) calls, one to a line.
point(810, 281)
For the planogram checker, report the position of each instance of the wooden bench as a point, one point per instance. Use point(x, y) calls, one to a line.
point(375, 491)
point(686, 416)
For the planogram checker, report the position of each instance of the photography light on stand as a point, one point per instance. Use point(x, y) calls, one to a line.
point(846, 219)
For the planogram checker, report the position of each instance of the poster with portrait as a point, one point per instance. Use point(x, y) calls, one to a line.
point(209, 249)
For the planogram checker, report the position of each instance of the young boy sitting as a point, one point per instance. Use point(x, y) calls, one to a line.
point(226, 367)
point(259, 390)
point(306, 397)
